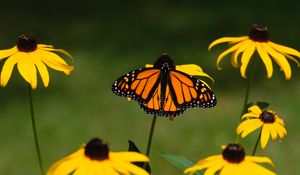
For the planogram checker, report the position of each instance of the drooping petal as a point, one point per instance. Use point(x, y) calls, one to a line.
point(82, 168)
point(280, 60)
point(8, 68)
point(231, 169)
point(60, 51)
point(246, 57)
point(248, 126)
point(128, 156)
point(273, 132)
point(193, 69)
point(284, 49)
point(227, 39)
point(64, 166)
point(226, 52)
point(213, 169)
point(257, 169)
point(134, 169)
point(235, 55)
point(281, 131)
point(42, 70)
point(118, 167)
point(27, 69)
point(259, 160)
point(8, 52)
point(292, 58)
point(265, 134)
point(265, 58)
point(54, 61)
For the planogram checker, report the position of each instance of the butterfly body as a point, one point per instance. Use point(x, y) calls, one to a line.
point(162, 90)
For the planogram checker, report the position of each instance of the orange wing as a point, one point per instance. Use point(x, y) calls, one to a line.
point(189, 92)
point(138, 84)
point(169, 109)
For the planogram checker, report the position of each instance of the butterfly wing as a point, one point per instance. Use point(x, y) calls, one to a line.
point(139, 84)
point(189, 92)
point(169, 109)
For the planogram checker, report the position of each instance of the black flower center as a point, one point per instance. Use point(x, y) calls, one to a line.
point(267, 116)
point(234, 153)
point(26, 43)
point(96, 149)
point(259, 33)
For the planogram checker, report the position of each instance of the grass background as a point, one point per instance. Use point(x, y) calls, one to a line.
point(109, 38)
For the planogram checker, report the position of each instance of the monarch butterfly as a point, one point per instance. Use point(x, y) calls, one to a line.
point(164, 91)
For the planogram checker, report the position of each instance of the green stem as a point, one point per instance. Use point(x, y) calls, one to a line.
point(150, 136)
point(246, 98)
point(36, 141)
point(256, 143)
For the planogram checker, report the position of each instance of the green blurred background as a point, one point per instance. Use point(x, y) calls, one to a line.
point(110, 38)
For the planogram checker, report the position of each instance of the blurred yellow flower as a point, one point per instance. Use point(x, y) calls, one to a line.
point(29, 56)
point(258, 39)
point(233, 161)
point(269, 121)
point(95, 158)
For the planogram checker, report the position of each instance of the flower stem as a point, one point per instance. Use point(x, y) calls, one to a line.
point(256, 143)
point(246, 98)
point(150, 136)
point(36, 141)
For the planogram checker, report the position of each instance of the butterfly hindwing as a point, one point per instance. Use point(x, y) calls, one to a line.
point(189, 92)
point(138, 84)
point(169, 109)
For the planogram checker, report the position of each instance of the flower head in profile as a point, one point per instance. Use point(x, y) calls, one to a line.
point(267, 120)
point(95, 158)
point(232, 161)
point(258, 39)
point(30, 57)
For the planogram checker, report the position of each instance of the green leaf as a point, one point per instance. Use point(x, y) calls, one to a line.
point(180, 162)
point(134, 148)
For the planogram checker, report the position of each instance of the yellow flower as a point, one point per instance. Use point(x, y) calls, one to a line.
point(29, 56)
point(269, 121)
point(233, 161)
point(95, 158)
point(258, 39)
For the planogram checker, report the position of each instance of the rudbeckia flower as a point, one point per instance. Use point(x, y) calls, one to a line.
point(258, 39)
point(30, 57)
point(268, 120)
point(95, 158)
point(233, 161)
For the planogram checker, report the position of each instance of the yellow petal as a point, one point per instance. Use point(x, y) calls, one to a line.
point(250, 115)
point(119, 167)
point(213, 169)
point(280, 60)
point(134, 169)
point(255, 109)
point(279, 120)
point(257, 169)
point(248, 126)
point(292, 58)
point(273, 132)
point(148, 65)
point(193, 69)
point(265, 134)
point(65, 166)
point(281, 131)
point(227, 39)
point(284, 49)
point(226, 52)
point(42, 70)
point(8, 52)
point(60, 51)
point(42, 46)
point(265, 58)
point(259, 159)
point(82, 168)
point(231, 169)
point(27, 69)
point(54, 61)
point(8, 68)
point(246, 57)
point(128, 156)
point(235, 55)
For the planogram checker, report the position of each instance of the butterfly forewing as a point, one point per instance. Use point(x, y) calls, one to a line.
point(188, 91)
point(138, 84)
